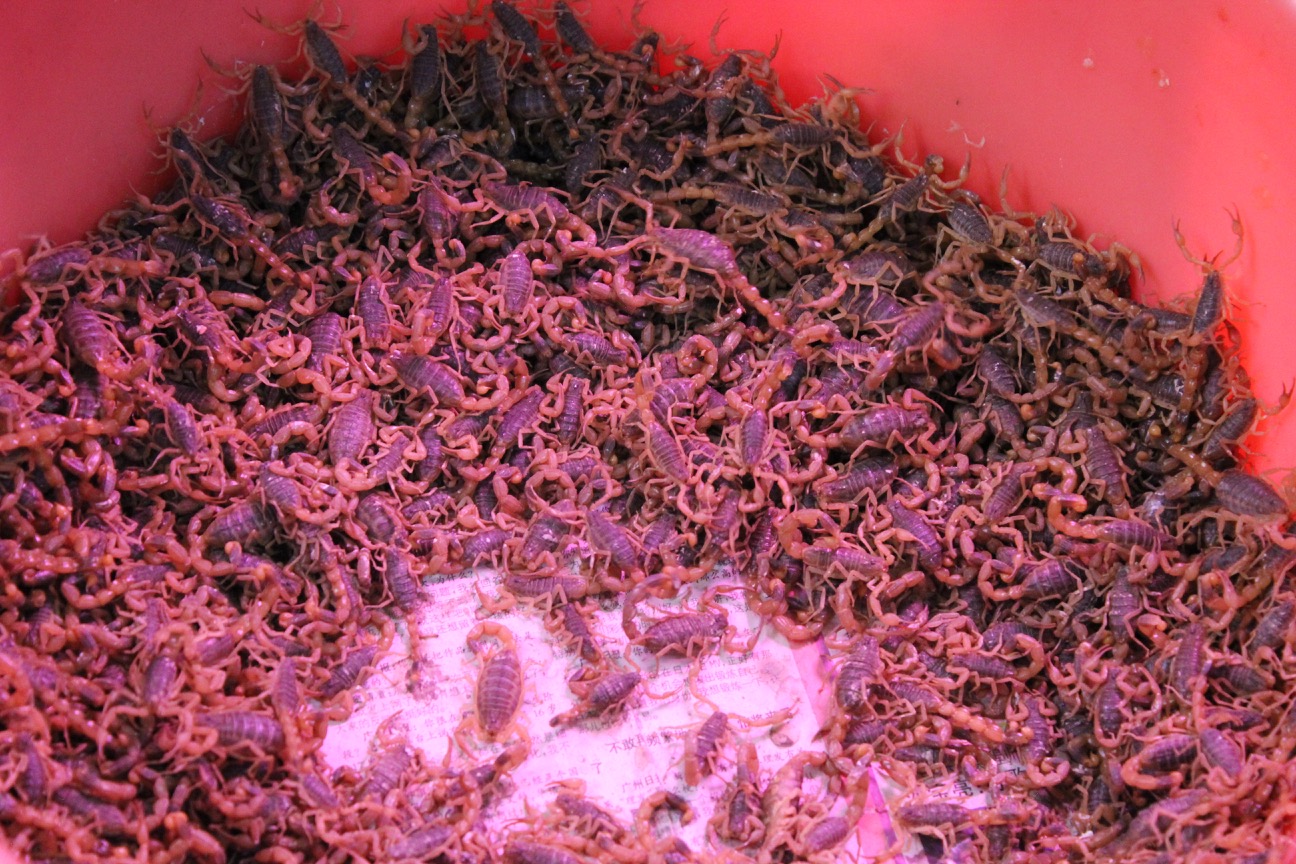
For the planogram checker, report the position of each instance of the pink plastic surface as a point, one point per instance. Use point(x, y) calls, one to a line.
point(1128, 115)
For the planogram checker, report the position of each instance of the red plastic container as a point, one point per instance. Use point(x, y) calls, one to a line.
point(1129, 116)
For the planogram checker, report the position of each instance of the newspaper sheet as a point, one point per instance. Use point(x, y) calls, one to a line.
point(628, 756)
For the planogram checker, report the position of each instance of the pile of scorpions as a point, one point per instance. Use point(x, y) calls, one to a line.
point(531, 304)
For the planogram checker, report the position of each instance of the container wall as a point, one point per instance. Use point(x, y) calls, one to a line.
point(1130, 116)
